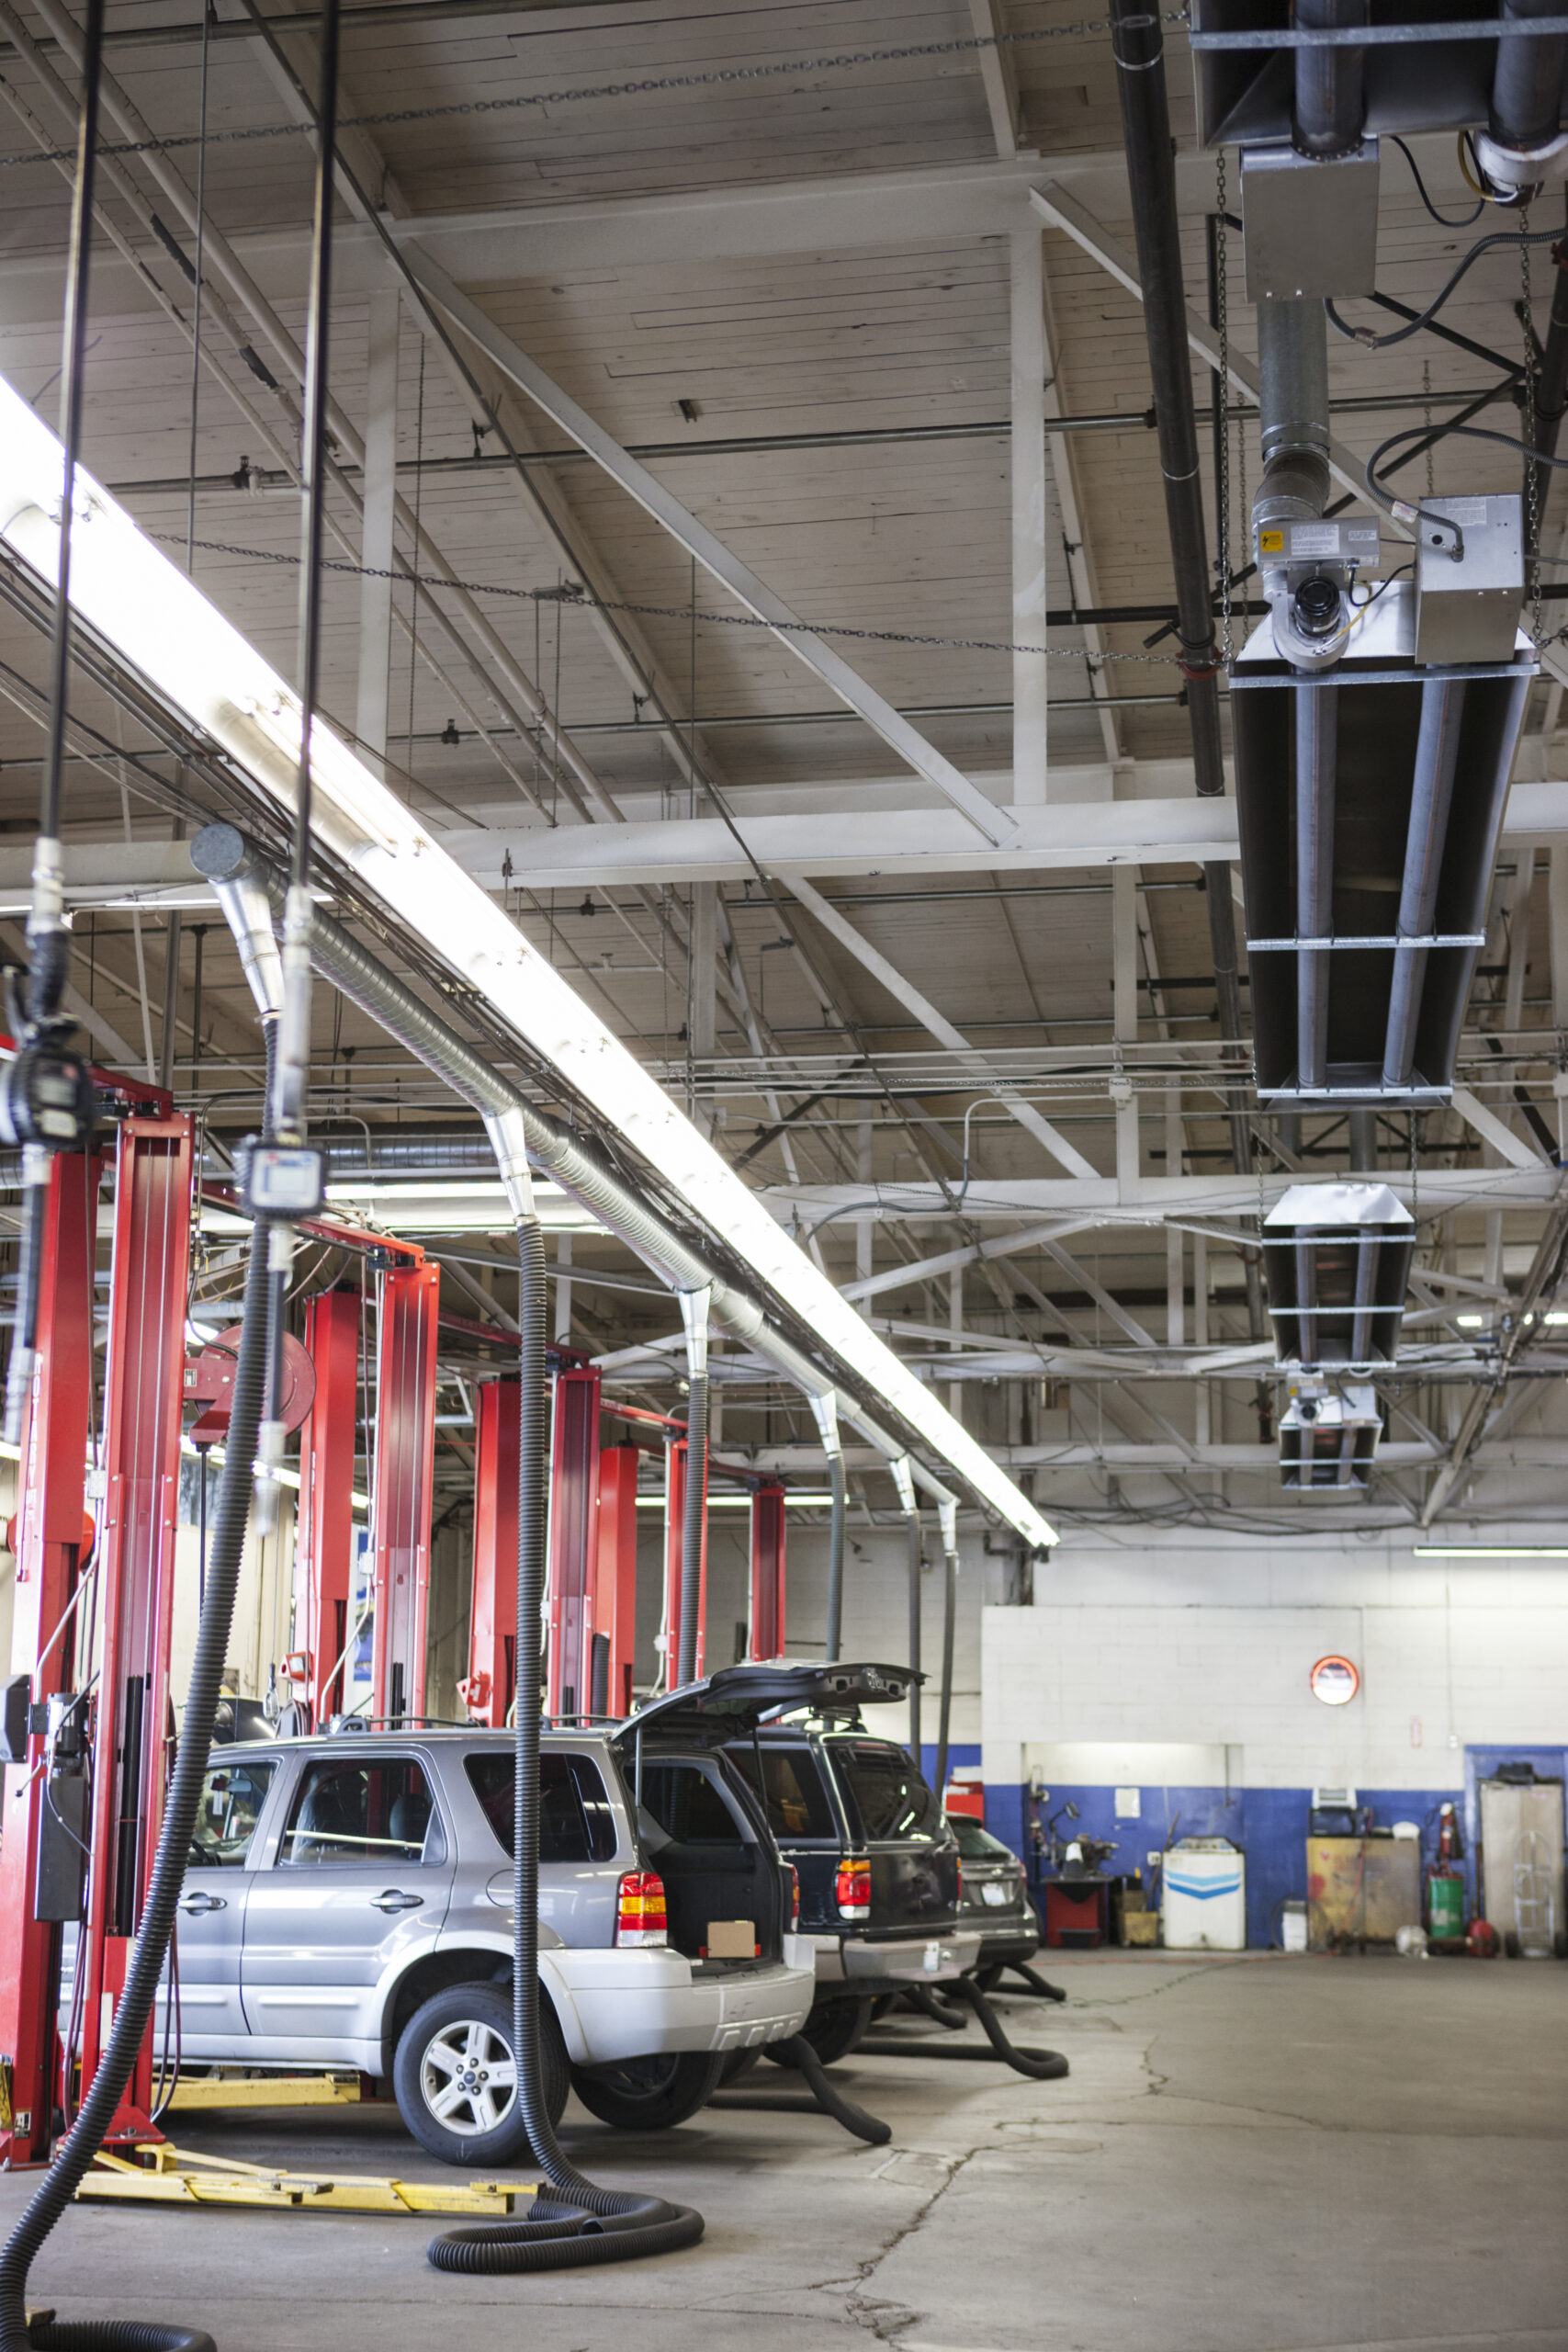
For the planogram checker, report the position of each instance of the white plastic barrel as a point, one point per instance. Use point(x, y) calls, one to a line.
point(1204, 1900)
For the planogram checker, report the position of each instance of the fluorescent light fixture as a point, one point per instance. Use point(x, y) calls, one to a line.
point(1491, 1551)
point(472, 1205)
point(741, 1502)
point(123, 587)
point(1480, 1322)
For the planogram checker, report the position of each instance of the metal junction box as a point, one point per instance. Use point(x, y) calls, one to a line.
point(1309, 226)
point(1350, 541)
point(1468, 610)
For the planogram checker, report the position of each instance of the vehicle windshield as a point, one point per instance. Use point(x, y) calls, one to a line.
point(894, 1801)
point(977, 1845)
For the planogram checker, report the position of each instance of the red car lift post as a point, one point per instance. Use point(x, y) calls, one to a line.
point(405, 1465)
point(144, 1377)
point(50, 1540)
point(767, 1626)
point(323, 1574)
point(615, 1598)
point(574, 1548)
point(492, 1617)
point(675, 1467)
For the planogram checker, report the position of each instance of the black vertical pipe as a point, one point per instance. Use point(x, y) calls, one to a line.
point(949, 1623)
point(1551, 381)
point(313, 431)
point(1139, 46)
point(1527, 83)
point(914, 1519)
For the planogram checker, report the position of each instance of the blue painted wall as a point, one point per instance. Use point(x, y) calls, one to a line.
point(1269, 1825)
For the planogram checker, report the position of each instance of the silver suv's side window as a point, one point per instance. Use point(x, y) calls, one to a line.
point(232, 1798)
point(575, 1824)
point(371, 1809)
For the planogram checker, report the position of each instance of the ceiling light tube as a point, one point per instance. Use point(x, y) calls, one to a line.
point(124, 588)
point(1491, 1551)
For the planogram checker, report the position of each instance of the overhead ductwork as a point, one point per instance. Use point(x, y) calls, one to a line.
point(1328, 1433)
point(1374, 730)
point(1336, 1261)
point(1323, 100)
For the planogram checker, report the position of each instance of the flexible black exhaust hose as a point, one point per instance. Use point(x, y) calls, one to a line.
point(587, 2224)
point(151, 1948)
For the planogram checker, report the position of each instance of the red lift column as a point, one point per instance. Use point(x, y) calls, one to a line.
point(405, 1466)
point(48, 1538)
point(326, 1496)
point(144, 1378)
point(492, 1619)
point(574, 1507)
point(675, 1466)
point(767, 1628)
point(615, 1599)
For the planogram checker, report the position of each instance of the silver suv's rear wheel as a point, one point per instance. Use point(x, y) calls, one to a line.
point(455, 2079)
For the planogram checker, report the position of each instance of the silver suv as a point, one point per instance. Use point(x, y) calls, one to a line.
point(348, 1904)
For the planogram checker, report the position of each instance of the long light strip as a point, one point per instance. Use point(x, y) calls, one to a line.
point(1490, 1551)
point(166, 629)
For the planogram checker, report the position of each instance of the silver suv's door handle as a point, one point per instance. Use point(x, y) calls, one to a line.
point(396, 1900)
point(197, 1903)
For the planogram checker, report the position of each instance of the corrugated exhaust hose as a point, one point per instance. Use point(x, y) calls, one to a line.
point(585, 2224)
point(151, 1948)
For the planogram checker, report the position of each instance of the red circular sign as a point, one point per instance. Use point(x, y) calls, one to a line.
point(1335, 1680)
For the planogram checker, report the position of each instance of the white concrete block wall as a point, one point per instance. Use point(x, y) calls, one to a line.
point(1196, 1636)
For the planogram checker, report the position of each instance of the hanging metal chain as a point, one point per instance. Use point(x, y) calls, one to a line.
point(1221, 435)
point(1532, 474)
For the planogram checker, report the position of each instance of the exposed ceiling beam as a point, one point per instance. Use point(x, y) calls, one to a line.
point(904, 992)
point(719, 560)
point(998, 75)
point(826, 839)
point(1158, 1197)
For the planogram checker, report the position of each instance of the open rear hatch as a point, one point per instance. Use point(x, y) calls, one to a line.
point(737, 1697)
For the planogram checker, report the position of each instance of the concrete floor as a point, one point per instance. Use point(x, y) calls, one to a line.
point(1249, 2153)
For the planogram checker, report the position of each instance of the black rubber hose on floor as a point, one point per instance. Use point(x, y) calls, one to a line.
point(1041, 2066)
point(134, 2006)
point(1041, 1987)
point(925, 1998)
point(830, 2099)
point(585, 2224)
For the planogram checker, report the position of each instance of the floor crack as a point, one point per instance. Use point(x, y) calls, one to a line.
point(885, 2321)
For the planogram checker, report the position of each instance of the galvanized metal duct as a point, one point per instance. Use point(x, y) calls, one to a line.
point(222, 854)
point(1293, 410)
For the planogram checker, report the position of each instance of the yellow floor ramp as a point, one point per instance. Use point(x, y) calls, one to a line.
point(163, 2175)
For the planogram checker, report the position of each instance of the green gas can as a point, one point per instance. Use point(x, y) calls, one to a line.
point(1445, 1905)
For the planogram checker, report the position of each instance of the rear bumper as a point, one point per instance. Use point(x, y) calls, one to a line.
point(642, 2004)
point(1009, 1946)
point(871, 1960)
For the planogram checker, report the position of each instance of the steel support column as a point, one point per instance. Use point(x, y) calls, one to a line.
point(574, 1551)
point(323, 1576)
point(492, 1616)
point(143, 1390)
point(675, 1473)
point(767, 1612)
point(49, 1546)
point(405, 1462)
point(615, 1597)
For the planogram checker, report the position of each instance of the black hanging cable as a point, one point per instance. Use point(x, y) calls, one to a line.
point(1372, 342)
point(1441, 218)
point(197, 295)
point(583, 2223)
point(40, 1032)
